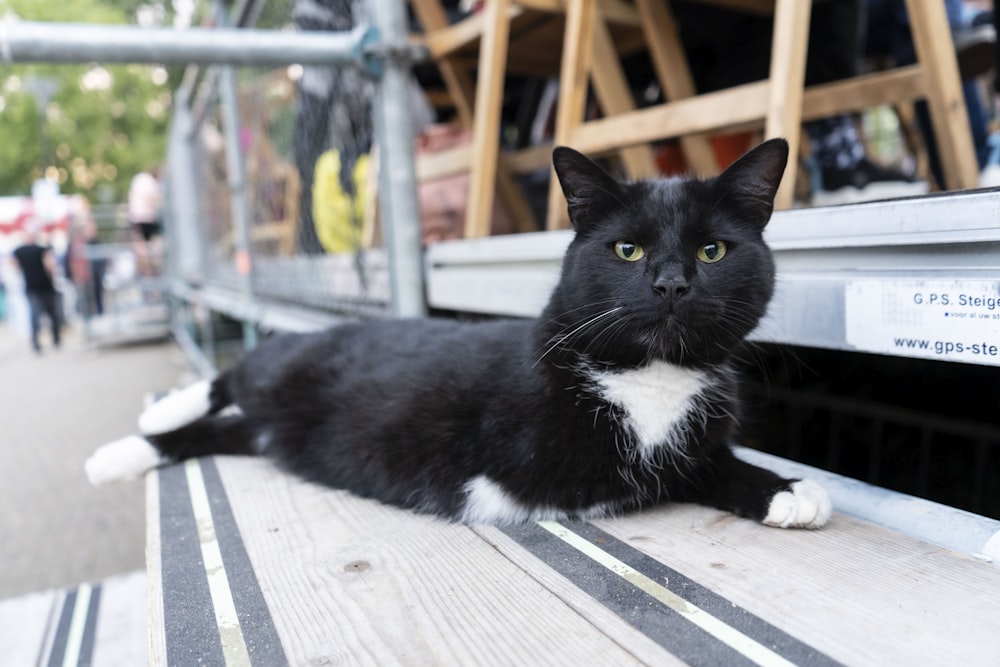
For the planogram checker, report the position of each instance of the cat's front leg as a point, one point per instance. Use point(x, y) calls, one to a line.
point(744, 489)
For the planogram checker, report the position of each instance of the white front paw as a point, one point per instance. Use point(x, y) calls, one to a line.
point(805, 505)
point(122, 460)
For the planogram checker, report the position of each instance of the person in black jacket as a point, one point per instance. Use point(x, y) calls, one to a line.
point(38, 266)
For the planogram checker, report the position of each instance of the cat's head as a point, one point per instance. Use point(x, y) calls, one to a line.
point(671, 269)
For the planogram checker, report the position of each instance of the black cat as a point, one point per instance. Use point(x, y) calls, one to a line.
point(621, 395)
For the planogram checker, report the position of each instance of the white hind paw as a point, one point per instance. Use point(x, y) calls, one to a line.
point(177, 409)
point(805, 505)
point(122, 461)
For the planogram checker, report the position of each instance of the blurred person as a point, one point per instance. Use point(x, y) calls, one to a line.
point(86, 273)
point(38, 266)
point(145, 204)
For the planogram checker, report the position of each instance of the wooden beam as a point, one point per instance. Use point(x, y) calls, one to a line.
point(890, 87)
point(445, 40)
point(615, 97)
point(787, 77)
point(936, 55)
point(581, 15)
point(670, 63)
point(486, 123)
point(444, 163)
point(531, 158)
point(615, 11)
point(724, 108)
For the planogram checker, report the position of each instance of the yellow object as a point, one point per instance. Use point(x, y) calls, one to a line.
point(337, 216)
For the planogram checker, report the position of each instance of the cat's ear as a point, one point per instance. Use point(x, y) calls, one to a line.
point(752, 181)
point(590, 192)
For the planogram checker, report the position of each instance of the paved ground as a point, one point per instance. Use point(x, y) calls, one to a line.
point(55, 529)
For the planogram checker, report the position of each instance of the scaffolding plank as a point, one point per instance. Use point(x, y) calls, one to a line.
point(313, 575)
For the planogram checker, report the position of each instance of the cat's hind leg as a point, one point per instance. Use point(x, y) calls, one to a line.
point(744, 489)
point(183, 407)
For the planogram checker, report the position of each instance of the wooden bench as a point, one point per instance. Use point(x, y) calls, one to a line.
point(248, 565)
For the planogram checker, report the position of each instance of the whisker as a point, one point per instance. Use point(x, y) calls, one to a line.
point(562, 338)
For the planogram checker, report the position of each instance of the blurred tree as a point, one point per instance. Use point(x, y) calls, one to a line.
point(101, 125)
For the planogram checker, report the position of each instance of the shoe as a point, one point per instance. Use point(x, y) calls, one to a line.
point(975, 49)
point(865, 182)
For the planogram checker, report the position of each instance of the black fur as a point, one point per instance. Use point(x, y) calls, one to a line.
point(409, 412)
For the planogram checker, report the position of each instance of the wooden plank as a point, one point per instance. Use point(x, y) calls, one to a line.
point(440, 164)
point(936, 55)
point(857, 592)
point(581, 16)
point(459, 84)
point(787, 78)
point(347, 579)
point(901, 84)
point(615, 11)
point(530, 159)
point(611, 624)
point(486, 122)
point(615, 97)
point(670, 63)
point(740, 106)
point(732, 106)
point(442, 41)
point(456, 160)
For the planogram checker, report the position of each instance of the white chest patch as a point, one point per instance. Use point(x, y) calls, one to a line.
point(655, 398)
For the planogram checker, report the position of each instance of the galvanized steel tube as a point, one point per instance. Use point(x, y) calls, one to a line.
point(27, 41)
point(398, 187)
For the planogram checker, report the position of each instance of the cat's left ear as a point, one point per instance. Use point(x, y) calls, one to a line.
point(752, 181)
point(590, 192)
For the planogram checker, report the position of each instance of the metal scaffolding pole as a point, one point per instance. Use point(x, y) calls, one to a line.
point(394, 130)
point(27, 41)
point(383, 51)
point(236, 174)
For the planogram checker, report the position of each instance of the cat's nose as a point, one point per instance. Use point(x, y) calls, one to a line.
point(671, 287)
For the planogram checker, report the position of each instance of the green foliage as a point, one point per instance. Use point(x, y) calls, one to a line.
point(102, 125)
point(276, 14)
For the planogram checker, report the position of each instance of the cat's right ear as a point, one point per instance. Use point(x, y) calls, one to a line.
point(590, 192)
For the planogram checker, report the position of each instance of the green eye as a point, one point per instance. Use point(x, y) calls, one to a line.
point(630, 252)
point(712, 252)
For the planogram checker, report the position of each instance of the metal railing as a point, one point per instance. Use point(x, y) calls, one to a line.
point(376, 46)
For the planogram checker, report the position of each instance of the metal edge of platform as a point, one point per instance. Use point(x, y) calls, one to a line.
point(949, 527)
point(267, 314)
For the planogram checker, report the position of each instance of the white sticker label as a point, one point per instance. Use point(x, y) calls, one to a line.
point(953, 320)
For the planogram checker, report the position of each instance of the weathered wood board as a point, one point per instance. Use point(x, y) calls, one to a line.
point(257, 567)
